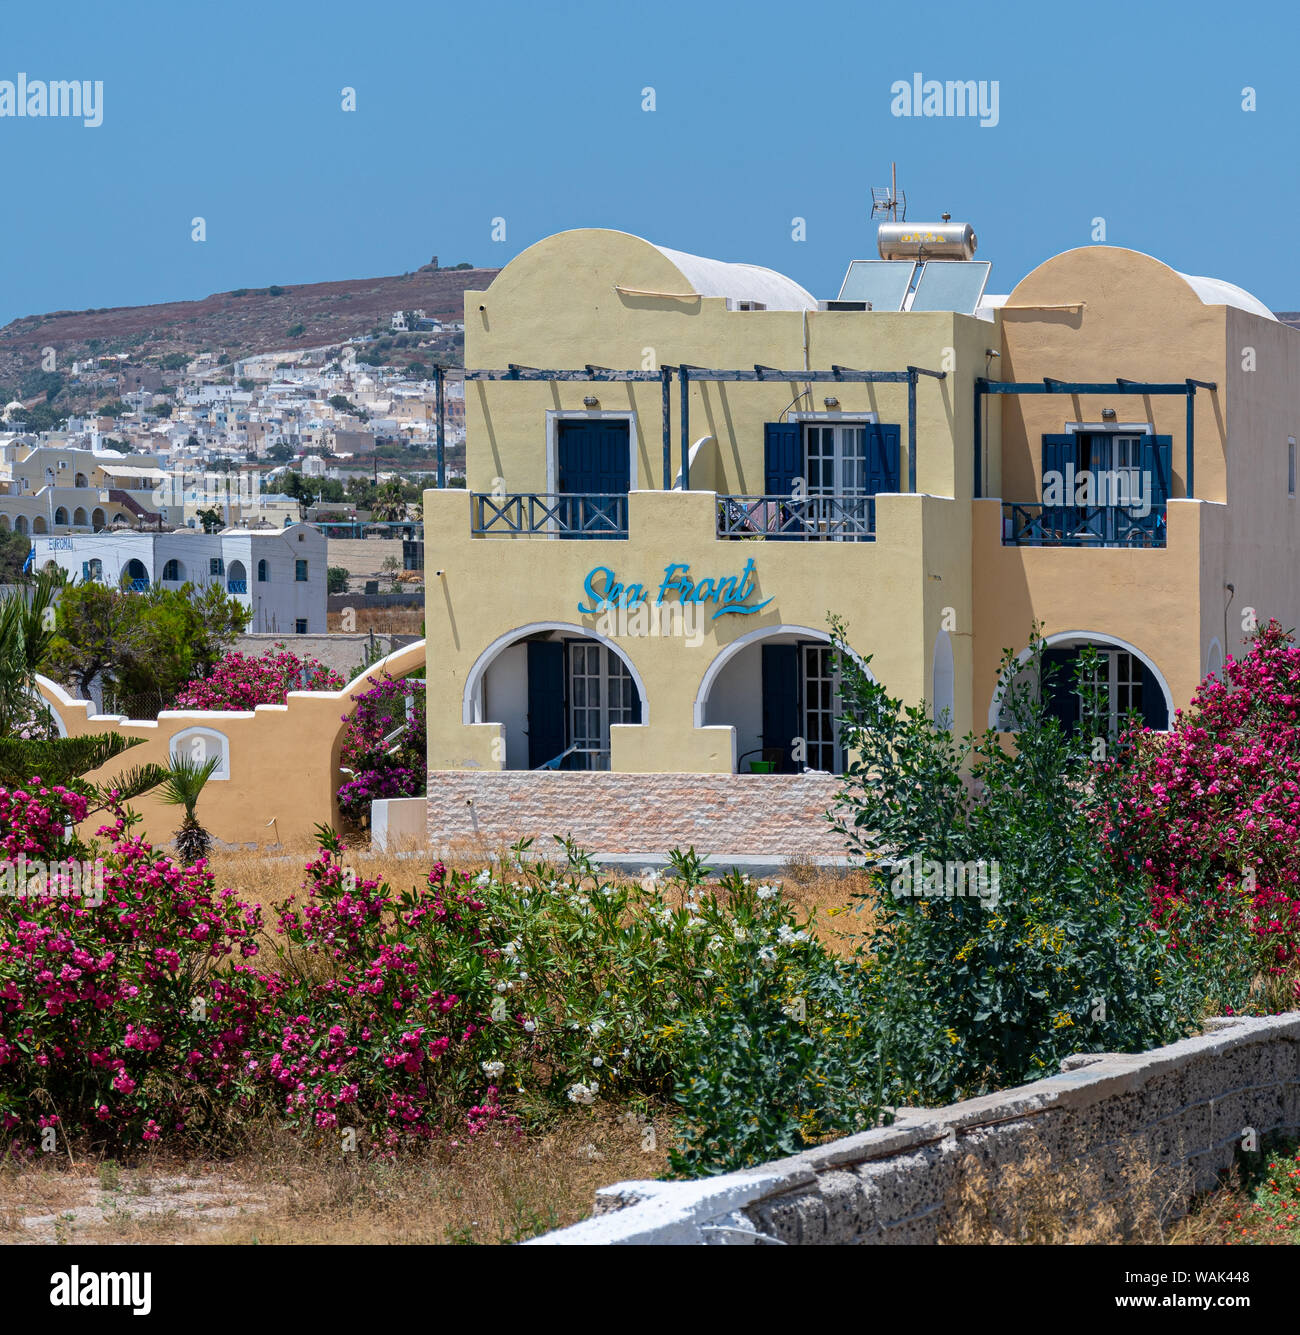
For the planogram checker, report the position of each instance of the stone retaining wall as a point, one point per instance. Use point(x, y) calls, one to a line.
point(1187, 1106)
point(773, 815)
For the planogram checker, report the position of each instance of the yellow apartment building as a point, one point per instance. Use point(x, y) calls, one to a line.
point(679, 468)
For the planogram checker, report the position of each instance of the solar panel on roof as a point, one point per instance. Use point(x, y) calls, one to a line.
point(884, 283)
point(951, 285)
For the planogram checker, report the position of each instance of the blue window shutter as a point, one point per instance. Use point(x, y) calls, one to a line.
point(545, 701)
point(782, 457)
point(1057, 452)
point(85, 572)
point(781, 700)
point(1157, 459)
point(1060, 696)
point(883, 454)
point(1155, 713)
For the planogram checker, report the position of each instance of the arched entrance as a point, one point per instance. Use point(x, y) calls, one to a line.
point(1126, 679)
point(556, 689)
point(135, 576)
point(778, 688)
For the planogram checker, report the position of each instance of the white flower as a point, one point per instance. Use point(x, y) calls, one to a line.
point(585, 1094)
point(492, 1069)
point(595, 1027)
point(767, 955)
point(484, 878)
point(715, 943)
point(768, 892)
point(511, 948)
point(530, 1026)
point(523, 973)
point(502, 987)
point(741, 934)
point(598, 1061)
point(787, 937)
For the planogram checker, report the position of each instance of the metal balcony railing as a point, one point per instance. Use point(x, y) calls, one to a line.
point(1032, 524)
point(798, 518)
point(564, 516)
point(236, 586)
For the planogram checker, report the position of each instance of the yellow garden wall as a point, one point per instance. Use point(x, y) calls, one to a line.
point(284, 759)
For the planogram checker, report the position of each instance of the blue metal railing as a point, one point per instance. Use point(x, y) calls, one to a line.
point(846, 518)
point(1032, 524)
point(585, 515)
point(236, 586)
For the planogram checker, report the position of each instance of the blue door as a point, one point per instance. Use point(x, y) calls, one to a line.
point(594, 467)
point(780, 673)
point(545, 701)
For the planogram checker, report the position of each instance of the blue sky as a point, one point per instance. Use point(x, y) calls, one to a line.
point(532, 112)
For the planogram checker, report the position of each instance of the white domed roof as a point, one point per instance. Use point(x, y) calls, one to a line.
point(1219, 292)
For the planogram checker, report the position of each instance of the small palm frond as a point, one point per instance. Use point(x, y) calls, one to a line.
point(184, 782)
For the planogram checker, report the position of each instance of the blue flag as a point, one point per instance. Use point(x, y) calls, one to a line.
point(31, 560)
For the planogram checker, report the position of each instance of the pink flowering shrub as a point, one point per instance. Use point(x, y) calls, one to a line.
point(1211, 809)
point(240, 682)
point(98, 994)
point(383, 746)
point(387, 1040)
point(140, 1007)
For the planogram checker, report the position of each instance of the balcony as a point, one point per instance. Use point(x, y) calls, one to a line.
point(527, 513)
point(236, 586)
point(1032, 524)
point(798, 518)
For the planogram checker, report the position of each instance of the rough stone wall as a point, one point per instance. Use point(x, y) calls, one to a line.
point(1182, 1108)
point(775, 815)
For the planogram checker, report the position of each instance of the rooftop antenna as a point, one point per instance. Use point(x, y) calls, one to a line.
point(887, 200)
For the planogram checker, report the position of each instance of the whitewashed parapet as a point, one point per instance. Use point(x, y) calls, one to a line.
point(1189, 1103)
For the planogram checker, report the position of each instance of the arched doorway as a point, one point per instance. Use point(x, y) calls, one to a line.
point(778, 688)
point(557, 690)
point(97, 519)
point(236, 578)
point(79, 519)
point(61, 517)
point(135, 576)
point(20, 525)
point(1126, 680)
point(39, 525)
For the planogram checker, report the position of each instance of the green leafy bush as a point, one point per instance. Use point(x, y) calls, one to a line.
point(970, 993)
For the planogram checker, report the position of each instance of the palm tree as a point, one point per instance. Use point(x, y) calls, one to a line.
point(26, 629)
point(181, 788)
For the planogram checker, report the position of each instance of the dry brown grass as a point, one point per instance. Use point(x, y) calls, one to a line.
point(282, 1192)
point(268, 877)
point(1044, 1199)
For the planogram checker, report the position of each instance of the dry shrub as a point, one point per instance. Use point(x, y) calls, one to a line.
point(1047, 1199)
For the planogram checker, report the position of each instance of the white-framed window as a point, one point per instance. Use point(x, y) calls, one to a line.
point(836, 463)
point(601, 693)
point(1118, 674)
point(820, 689)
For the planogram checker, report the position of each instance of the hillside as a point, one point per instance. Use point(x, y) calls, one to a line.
point(242, 322)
